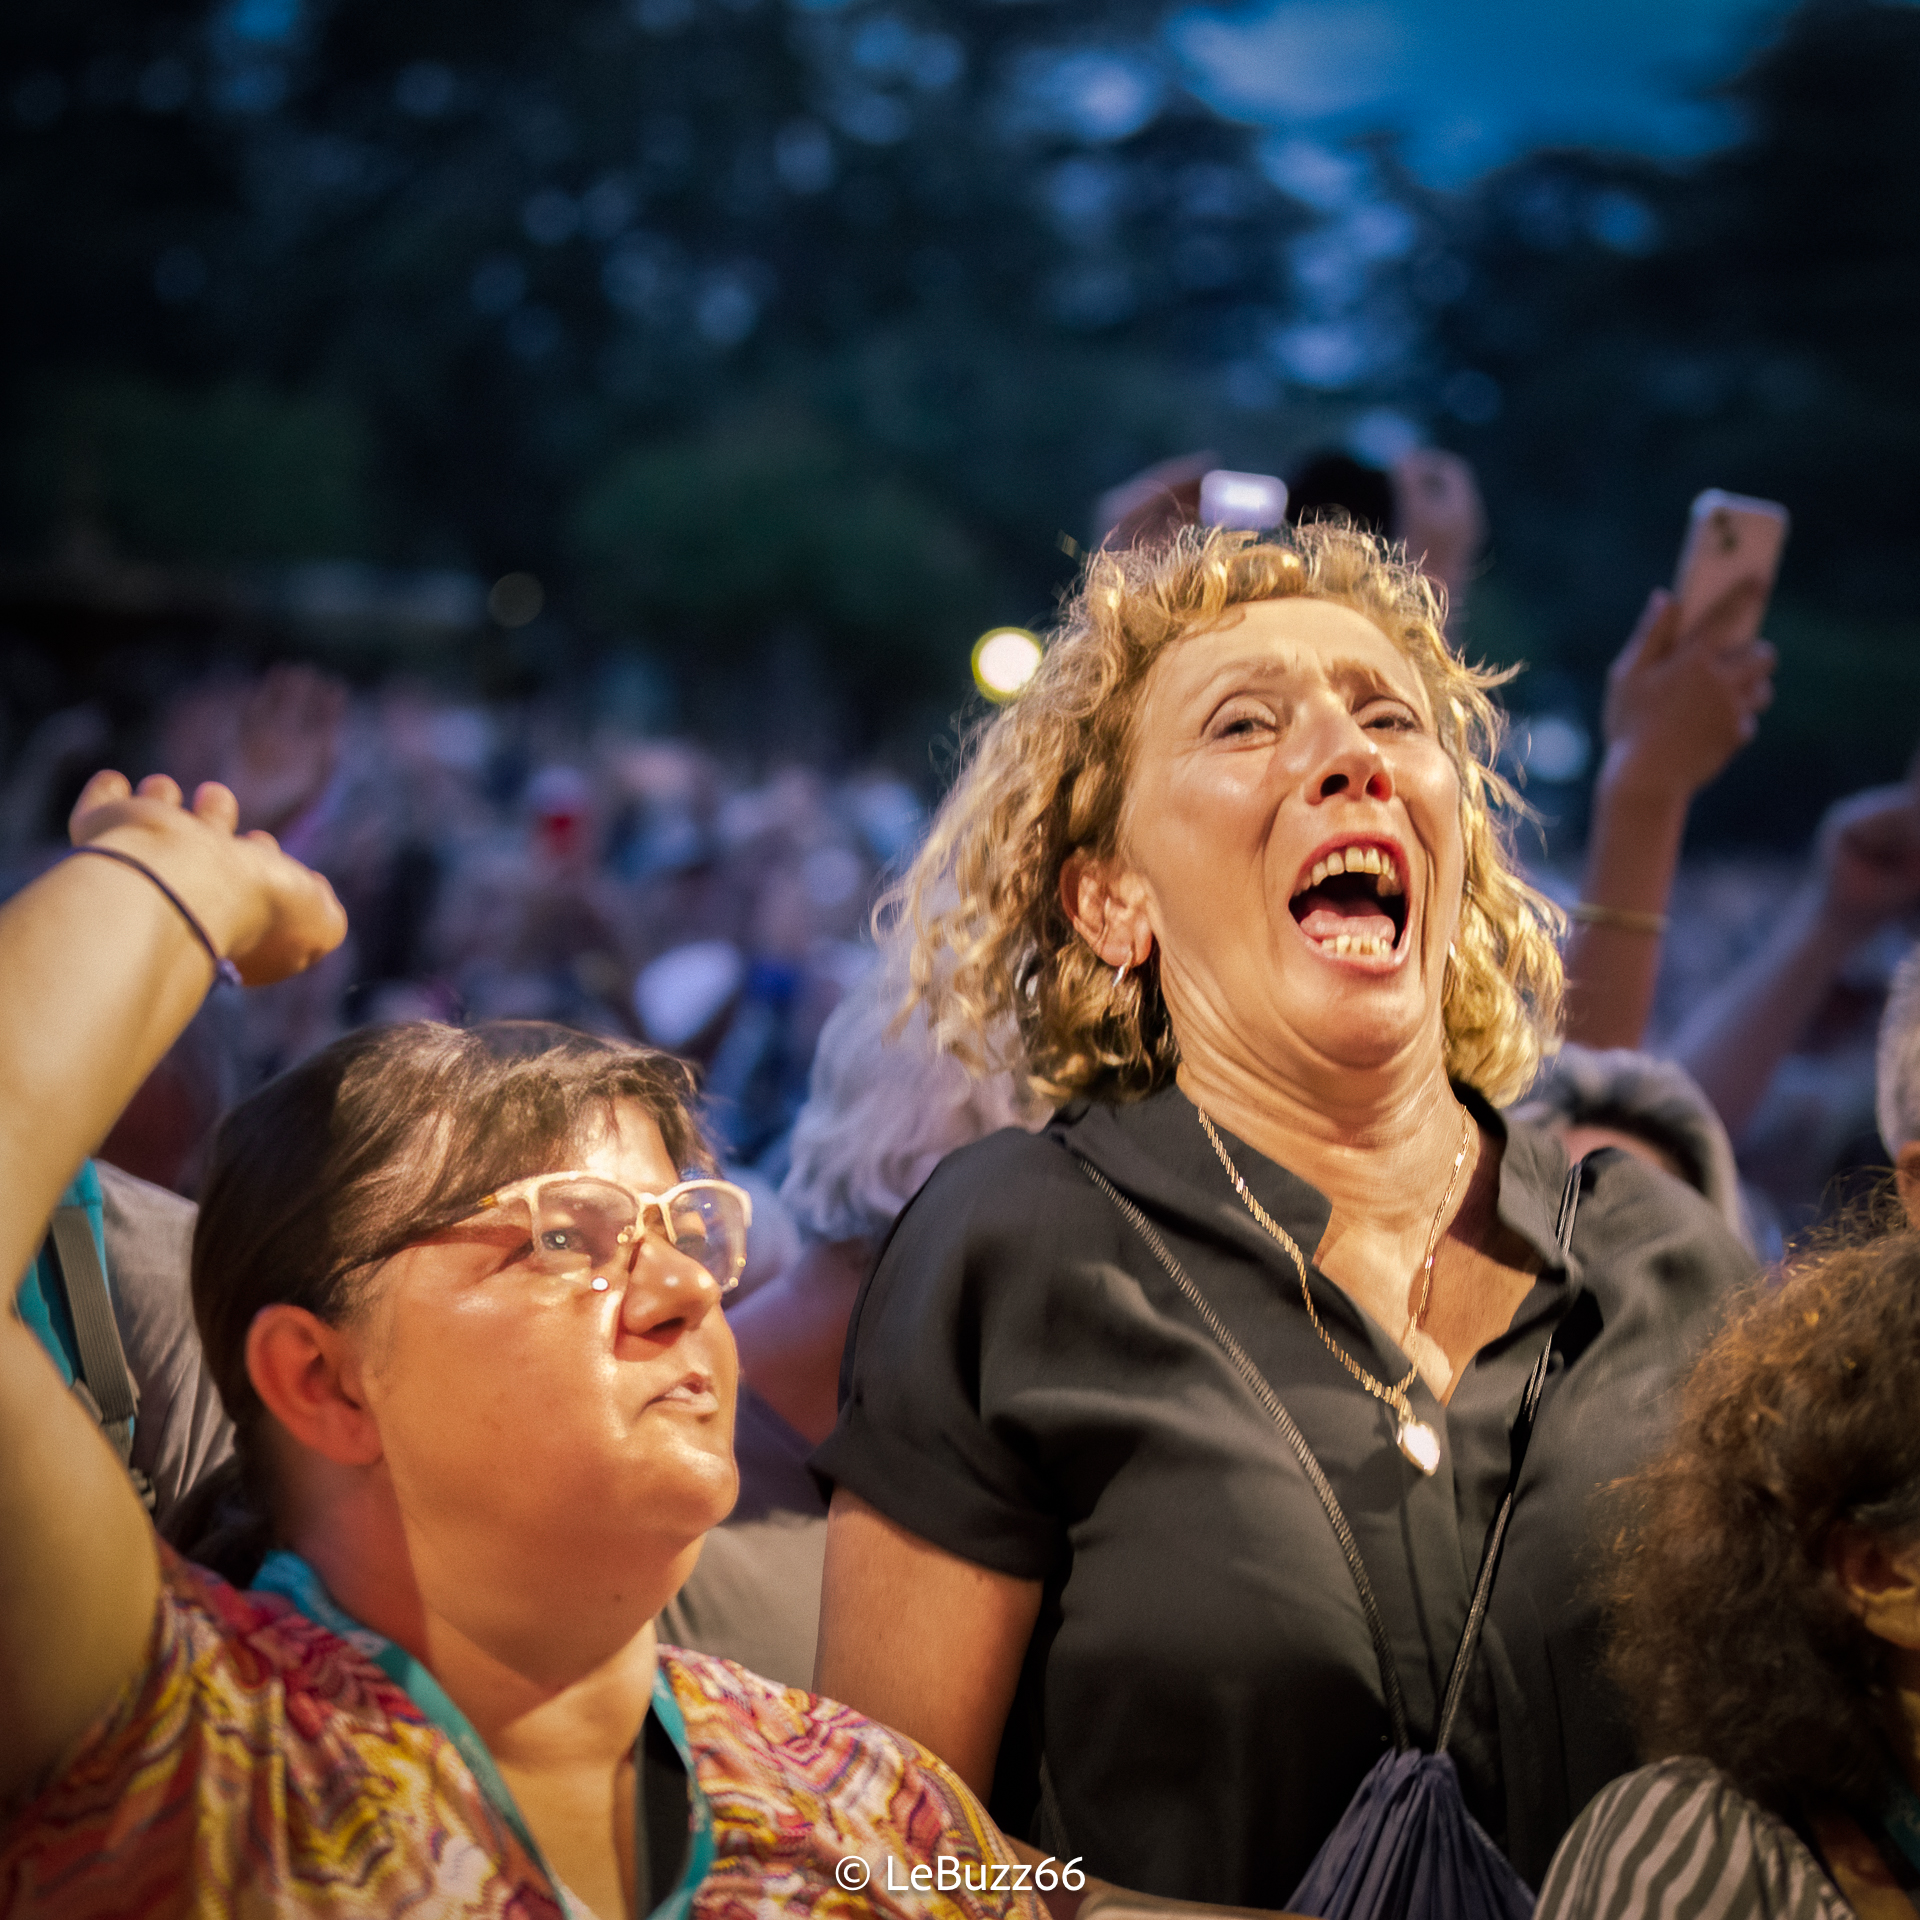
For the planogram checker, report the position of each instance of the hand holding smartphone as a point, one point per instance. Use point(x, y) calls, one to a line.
point(1687, 690)
point(1728, 559)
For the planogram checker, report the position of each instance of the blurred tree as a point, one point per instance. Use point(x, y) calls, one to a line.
point(232, 473)
point(909, 280)
point(896, 287)
point(1607, 336)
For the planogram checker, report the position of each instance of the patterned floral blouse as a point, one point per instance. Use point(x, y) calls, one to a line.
point(262, 1763)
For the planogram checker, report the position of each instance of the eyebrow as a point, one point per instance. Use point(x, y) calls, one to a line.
point(1345, 674)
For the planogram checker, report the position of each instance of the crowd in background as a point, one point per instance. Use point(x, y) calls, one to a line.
point(498, 863)
point(508, 860)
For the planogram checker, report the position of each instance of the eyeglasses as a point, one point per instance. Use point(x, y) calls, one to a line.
point(581, 1224)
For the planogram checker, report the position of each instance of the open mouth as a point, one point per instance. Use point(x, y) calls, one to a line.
point(1352, 901)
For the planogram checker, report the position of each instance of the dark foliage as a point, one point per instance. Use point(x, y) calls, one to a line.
point(894, 288)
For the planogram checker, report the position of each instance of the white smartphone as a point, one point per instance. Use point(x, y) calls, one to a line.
point(1254, 501)
point(1731, 538)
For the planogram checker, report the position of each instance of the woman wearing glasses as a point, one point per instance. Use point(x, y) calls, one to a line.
point(460, 1292)
point(1232, 864)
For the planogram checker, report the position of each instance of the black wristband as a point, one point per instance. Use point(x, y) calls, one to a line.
point(224, 971)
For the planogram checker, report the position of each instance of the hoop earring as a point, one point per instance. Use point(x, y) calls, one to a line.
point(1119, 974)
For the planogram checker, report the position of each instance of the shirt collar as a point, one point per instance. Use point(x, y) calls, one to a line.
point(1154, 1150)
point(289, 1576)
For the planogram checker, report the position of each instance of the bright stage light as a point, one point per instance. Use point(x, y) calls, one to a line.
point(1004, 661)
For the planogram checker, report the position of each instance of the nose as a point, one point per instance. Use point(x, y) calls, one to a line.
point(1347, 760)
point(665, 1289)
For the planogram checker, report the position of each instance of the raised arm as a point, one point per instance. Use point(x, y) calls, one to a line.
point(102, 972)
point(1867, 871)
point(1679, 706)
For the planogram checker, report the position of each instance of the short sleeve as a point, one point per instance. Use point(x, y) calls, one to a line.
point(120, 1810)
point(1677, 1841)
point(182, 1432)
point(934, 1426)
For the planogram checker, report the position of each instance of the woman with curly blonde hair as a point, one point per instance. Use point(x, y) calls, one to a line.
point(1233, 867)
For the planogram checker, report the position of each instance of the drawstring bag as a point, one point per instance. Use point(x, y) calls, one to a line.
point(1406, 1848)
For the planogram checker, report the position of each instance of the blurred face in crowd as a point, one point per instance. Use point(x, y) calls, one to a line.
point(1292, 835)
point(513, 1400)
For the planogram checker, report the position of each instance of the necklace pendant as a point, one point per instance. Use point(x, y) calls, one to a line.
point(1418, 1442)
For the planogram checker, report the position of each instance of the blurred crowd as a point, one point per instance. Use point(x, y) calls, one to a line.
point(497, 863)
point(512, 860)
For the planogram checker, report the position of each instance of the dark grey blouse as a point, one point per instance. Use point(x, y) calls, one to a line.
point(1025, 1387)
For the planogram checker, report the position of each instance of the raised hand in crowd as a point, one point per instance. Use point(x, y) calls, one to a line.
point(1866, 872)
point(1681, 702)
point(103, 970)
point(273, 742)
point(285, 746)
point(1439, 517)
point(1154, 504)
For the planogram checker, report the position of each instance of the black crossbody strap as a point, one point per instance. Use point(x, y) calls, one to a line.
point(1490, 1560)
point(1497, 1534)
point(1316, 1477)
point(1281, 1418)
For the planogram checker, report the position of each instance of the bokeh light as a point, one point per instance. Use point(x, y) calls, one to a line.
point(516, 600)
point(1004, 660)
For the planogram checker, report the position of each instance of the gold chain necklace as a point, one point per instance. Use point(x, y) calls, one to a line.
point(1412, 1436)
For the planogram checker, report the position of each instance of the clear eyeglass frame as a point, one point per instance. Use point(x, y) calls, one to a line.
point(579, 1228)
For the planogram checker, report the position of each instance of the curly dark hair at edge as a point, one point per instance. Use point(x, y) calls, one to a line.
point(1733, 1638)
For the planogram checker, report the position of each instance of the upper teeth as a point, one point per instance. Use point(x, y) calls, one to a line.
point(1359, 860)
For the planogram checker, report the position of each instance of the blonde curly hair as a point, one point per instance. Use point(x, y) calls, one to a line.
point(1047, 777)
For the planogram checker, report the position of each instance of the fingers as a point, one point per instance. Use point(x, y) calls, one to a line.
point(1654, 633)
point(1747, 673)
point(105, 789)
point(216, 805)
point(106, 785)
point(160, 786)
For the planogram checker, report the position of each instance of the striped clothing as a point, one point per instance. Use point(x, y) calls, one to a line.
point(263, 1765)
point(1678, 1841)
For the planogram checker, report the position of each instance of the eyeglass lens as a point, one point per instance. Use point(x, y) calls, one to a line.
point(589, 1225)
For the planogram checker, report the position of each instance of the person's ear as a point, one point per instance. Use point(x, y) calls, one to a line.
point(1881, 1584)
point(307, 1375)
point(1906, 1177)
point(1108, 907)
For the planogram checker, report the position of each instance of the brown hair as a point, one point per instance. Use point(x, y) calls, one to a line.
point(384, 1138)
point(1048, 777)
point(1733, 1637)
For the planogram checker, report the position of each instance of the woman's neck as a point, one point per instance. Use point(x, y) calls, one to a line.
point(531, 1640)
point(1379, 1146)
point(549, 1655)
